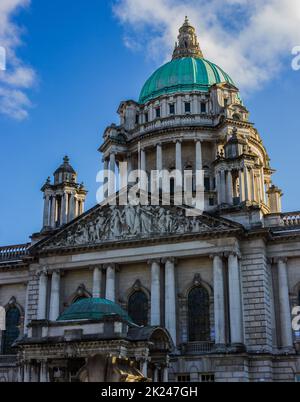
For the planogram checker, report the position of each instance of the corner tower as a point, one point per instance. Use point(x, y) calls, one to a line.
point(64, 198)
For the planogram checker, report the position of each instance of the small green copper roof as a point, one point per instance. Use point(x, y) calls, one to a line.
point(181, 75)
point(93, 309)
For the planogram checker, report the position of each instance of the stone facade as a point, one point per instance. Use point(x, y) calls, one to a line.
point(242, 253)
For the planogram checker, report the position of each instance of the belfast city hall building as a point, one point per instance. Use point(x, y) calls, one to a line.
point(129, 292)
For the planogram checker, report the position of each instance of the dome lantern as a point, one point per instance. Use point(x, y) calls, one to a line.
point(187, 45)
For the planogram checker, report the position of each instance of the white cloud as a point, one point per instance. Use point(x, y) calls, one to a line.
point(249, 39)
point(17, 76)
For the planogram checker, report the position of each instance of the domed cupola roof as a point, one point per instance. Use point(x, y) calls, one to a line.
point(187, 71)
point(93, 309)
point(65, 167)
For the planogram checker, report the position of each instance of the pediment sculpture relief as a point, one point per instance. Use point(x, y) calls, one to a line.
point(130, 222)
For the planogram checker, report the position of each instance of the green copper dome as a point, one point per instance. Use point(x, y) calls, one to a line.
point(93, 309)
point(181, 75)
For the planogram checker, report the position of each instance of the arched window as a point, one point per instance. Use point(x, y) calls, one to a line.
point(198, 315)
point(138, 308)
point(12, 332)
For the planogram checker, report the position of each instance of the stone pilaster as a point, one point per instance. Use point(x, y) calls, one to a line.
point(110, 292)
point(170, 298)
point(235, 302)
point(55, 296)
point(97, 281)
point(284, 305)
point(219, 300)
point(155, 292)
point(42, 304)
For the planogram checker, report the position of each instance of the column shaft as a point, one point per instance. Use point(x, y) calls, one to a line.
point(159, 164)
point(246, 183)
point(229, 188)
point(110, 283)
point(63, 219)
point(55, 296)
point(235, 304)
point(199, 163)
point(178, 158)
point(41, 314)
point(223, 187)
point(53, 212)
point(284, 305)
point(155, 293)
point(170, 299)
point(111, 176)
point(143, 174)
point(219, 300)
point(97, 276)
point(46, 222)
point(253, 196)
point(241, 186)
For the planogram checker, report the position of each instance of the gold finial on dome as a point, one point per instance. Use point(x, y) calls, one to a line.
point(187, 45)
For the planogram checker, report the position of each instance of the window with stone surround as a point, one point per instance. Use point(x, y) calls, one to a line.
point(183, 378)
point(198, 315)
point(12, 332)
point(207, 377)
point(138, 308)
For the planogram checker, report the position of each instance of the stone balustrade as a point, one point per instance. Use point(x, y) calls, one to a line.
point(13, 253)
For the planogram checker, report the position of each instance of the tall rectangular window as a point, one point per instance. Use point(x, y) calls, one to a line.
point(146, 117)
point(172, 108)
point(157, 112)
point(187, 107)
point(203, 107)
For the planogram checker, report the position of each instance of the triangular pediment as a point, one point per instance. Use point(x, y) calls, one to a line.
point(106, 223)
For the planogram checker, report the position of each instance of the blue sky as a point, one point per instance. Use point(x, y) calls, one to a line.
point(84, 66)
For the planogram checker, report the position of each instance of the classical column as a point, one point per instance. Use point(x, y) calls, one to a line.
point(97, 276)
point(246, 183)
point(53, 212)
point(284, 304)
point(55, 296)
point(26, 310)
point(178, 179)
point(253, 196)
point(63, 219)
point(235, 303)
point(110, 292)
point(72, 213)
point(263, 192)
point(27, 372)
point(143, 170)
point(219, 301)
point(144, 367)
point(229, 188)
point(170, 298)
point(241, 186)
point(105, 177)
point(44, 372)
point(166, 374)
point(199, 164)
point(129, 164)
point(223, 186)
point(159, 163)
point(155, 292)
point(46, 211)
point(218, 187)
point(155, 374)
point(42, 304)
point(111, 174)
